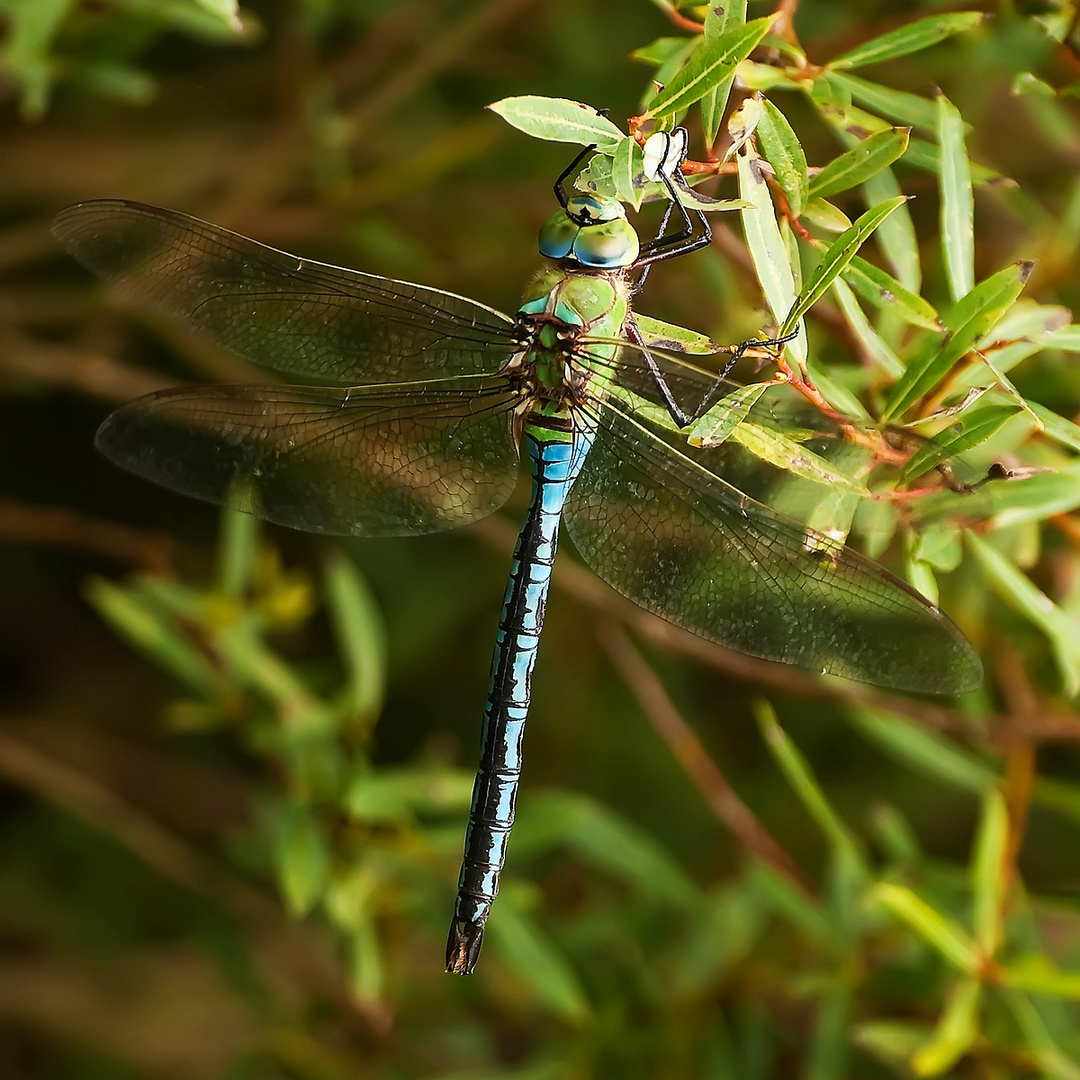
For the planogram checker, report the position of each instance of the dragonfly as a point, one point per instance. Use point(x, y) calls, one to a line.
point(410, 411)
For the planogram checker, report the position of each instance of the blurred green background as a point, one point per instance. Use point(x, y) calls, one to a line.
point(233, 815)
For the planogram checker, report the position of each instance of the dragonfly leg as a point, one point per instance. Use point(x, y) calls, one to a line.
point(559, 186)
point(694, 233)
point(681, 417)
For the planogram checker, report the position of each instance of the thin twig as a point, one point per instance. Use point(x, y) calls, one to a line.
point(688, 751)
point(153, 552)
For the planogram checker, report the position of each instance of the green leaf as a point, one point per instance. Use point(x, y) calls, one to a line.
point(1057, 427)
point(301, 856)
point(825, 216)
point(875, 347)
point(1036, 975)
point(397, 795)
point(719, 19)
point(989, 873)
point(662, 335)
point(935, 929)
point(720, 421)
point(898, 105)
point(859, 164)
point(896, 237)
point(782, 150)
point(957, 202)
point(908, 39)
point(927, 157)
point(237, 550)
point(627, 164)
point(360, 636)
point(797, 772)
point(25, 49)
point(776, 448)
point(925, 751)
point(536, 961)
point(137, 618)
point(558, 818)
point(955, 1033)
point(767, 249)
point(226, 10)
point(714, 62)
point(885, 292)
point(976, 427)
point(966, 321)
point(558, 120)
point(1021, 593)
point(662, 51)
point(835, 260)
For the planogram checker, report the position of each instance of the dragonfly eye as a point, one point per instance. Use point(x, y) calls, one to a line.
point(593, 231)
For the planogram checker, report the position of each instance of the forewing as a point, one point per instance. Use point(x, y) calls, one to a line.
point(687, 546)
point(374, 461)
point(292, 315)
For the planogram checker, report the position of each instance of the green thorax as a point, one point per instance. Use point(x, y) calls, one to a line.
point(565, 305)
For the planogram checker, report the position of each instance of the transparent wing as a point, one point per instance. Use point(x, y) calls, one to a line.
point(292, 315)
point(375, 461)
point(687, 546)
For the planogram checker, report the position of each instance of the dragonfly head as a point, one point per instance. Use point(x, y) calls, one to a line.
point(593, 231)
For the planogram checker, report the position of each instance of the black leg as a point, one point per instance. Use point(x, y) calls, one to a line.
point(682, 418)
point(559, 186)
point(694, 234)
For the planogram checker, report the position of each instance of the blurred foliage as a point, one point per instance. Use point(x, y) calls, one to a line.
point(892, 892)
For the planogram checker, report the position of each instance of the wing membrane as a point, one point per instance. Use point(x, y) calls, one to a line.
point(687, 546)
point(292, 315)
point(375, 461)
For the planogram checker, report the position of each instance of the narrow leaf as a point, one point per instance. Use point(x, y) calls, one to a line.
point(797, 772)
point(965, 322)
point(715, 61)
point(360, 636)
point(719, 20)
point(1021, 593)
point(537, 962)
point(885, 292)
point(140, 621)
point(941, 933)
point(896, 237)
point(957, 202)
point(925, 752)
point(627, 163)
point(302, 857)
point(859, 164)
point(989, 874)
point(873, 344)
point(782, 150)
point(766, 243)
point(558, 120)
point(898, 105)
point(721, 420)
point(955, 1033)
point(825, 216)
point(835, 260)
point(908, 39)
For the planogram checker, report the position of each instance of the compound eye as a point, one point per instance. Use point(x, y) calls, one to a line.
point(608, 246)
point(557, 236)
